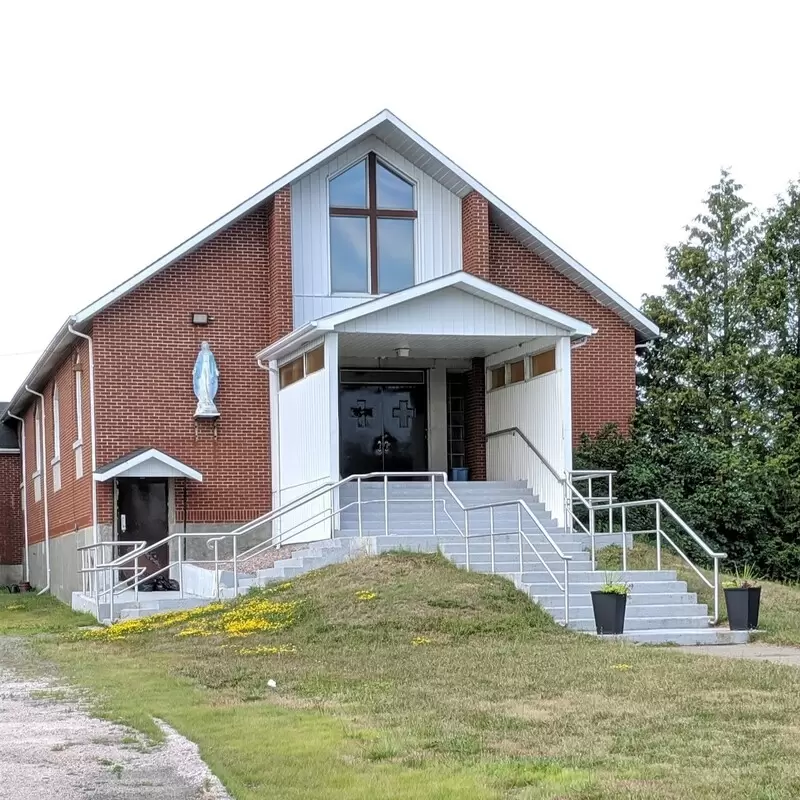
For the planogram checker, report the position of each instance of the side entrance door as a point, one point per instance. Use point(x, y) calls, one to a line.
point(142, 516)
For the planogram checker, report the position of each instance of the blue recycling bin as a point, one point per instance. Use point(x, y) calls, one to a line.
point(459, 474)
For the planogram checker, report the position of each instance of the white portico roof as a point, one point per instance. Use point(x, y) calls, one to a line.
point(456, 314)
point(146, 463)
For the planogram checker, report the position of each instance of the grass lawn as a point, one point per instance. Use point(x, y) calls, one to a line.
point(437, 683)
point(26, 614)
point(779, 621)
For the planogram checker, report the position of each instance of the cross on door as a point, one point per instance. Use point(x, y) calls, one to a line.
point(361, 412)
point(404, 413)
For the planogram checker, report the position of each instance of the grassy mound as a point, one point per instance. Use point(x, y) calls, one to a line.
point(401, 676)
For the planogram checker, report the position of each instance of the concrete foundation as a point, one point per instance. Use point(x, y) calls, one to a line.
point(197, 547)
point(65, 562)
point(10, 573)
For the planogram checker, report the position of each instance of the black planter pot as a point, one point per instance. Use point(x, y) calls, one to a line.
point(743, 607)
point(609, 612)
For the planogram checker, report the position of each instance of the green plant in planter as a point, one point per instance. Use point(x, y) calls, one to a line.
point(615, 587)
point(743, 599)
point(608, 603)
point(748, 578)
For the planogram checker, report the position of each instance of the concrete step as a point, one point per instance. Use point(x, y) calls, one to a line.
point(545, 586)
point(596, 578)
point(640, 623)
point(657, 599)
point(683, 636)
point(644, 611)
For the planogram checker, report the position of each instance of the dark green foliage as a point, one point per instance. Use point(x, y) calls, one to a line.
point(717, 427)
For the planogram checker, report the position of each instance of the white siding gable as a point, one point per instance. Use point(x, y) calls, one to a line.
point(438, 231)
point(450, 311)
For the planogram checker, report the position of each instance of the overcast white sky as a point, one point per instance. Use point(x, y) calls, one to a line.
point(126, 130)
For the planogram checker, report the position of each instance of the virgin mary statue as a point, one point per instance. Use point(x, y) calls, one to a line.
point(206, 382)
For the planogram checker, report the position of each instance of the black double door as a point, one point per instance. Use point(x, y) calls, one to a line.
point(383, 428)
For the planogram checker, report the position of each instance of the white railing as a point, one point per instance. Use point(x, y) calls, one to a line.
point(108, 581)
point(595, 503)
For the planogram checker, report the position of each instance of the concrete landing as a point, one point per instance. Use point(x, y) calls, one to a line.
point(754, 651)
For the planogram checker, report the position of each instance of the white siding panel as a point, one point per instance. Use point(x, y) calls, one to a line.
point(304, 457)
point(438, 244)
point(538, 409)
point(450, 311)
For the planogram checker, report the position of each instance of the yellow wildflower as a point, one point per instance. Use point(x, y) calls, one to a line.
point(621, 667)
point(263, 649)
point(419, 640)
point(364, 594)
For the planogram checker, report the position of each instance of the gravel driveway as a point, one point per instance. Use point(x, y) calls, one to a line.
point(51, 749)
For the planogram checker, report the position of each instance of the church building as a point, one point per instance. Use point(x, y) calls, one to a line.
point(375, 310)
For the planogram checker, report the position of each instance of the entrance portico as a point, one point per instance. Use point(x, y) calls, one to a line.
point(405, 382)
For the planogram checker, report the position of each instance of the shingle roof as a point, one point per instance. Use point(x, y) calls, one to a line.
point(8, 432)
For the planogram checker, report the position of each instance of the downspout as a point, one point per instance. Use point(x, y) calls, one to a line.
point(25, 492)
point(274, 437)
point(43, 428)
point(95, 529)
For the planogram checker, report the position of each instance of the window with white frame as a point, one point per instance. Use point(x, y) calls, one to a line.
point(78, 404)
point(56, 462)
point(372, 221)
point(56, 425)
point(78, 444)
point(37, 441)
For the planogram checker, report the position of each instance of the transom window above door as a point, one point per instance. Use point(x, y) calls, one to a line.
point(372, 218)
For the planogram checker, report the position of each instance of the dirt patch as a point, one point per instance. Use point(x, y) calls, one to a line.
point(52, 749)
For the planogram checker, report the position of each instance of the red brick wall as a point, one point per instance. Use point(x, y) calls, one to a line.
point(145, 348)
point(69, 508)
point(475, 235)
point(11, 530)
point(281, 314)
point(603, 369)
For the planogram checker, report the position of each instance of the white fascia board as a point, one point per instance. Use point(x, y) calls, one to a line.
point(296, 338)
point(148, 455)
point(21, 398)
point(234, 214)
point(647, 326)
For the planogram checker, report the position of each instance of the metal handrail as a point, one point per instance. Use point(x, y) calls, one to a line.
point(140, 548)
point(602, 503)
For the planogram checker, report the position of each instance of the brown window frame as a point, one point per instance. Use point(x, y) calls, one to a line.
point(287, 373)
point(511, 365)
point(373, 214)
point(501, 370)
point(550, 352)
point(313, 366)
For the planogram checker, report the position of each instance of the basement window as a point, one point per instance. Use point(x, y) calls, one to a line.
point(497, 377)
point(543, 362)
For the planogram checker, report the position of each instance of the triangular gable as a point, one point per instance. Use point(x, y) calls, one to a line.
point(455, 304)
point(146, 463)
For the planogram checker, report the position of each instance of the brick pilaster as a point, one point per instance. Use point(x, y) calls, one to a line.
point(475, 235)
point(475, 421)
